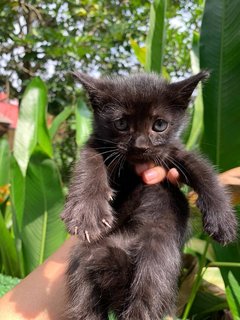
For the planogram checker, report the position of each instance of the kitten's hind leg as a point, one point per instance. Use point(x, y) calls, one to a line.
point(157, 254)
point(83, 298)
point(153, 291)
point(98, 277)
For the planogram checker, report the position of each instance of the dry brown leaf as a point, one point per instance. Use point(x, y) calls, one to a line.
point(231, 178)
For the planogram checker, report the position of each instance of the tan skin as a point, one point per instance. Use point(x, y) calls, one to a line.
point(40, 296)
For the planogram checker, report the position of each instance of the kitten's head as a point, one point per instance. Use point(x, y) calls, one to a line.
point(141, 114)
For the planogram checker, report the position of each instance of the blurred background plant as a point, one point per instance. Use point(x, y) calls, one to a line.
point(174, 38)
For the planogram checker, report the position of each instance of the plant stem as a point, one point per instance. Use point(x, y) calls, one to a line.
point(196, 283)
point(223, 264)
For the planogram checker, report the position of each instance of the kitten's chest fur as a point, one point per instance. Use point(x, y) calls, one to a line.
point(124, 184)
point(132, 195)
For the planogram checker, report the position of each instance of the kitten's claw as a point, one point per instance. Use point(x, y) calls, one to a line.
point(76, 231)
point(110, 195)
point(106, 223)
point(87, 236)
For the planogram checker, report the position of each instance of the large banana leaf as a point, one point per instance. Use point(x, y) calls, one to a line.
point(42, 231)
point(156, 37)
point(36, 190)
point(32, 129)
point(219, 53)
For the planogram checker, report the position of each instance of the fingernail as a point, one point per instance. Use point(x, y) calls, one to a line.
point(150, 174)
point(174, 172)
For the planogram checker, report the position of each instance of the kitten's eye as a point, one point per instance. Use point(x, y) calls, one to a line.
point(121, 124)
point(160, 125)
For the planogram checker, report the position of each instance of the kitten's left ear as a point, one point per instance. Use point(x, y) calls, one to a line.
point(89, 83)
point(94, 87)
point(184, 89)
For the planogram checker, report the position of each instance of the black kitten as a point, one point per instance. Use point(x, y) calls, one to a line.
point(131, 234)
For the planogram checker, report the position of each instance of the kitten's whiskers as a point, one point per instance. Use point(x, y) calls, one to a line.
point(178, 166)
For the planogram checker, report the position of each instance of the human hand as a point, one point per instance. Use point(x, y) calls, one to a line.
point(152, 174)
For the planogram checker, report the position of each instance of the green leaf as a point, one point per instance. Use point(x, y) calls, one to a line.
point(8, 250)
point(111, 316)
point(140, 52)
point(31, 129)
point(42, 230)
point(17, 199)
point(4, 162)
point(197, 117)
point(60, 118)
point(7, 283)
point(233, 296)
point(204, 304)
point(219, 53)
point(156, 37)
point(84, 122)
point(17, 194)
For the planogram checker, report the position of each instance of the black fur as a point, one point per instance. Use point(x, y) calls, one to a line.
point(129, 255)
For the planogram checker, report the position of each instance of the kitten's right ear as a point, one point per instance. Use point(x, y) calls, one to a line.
point(183, 89)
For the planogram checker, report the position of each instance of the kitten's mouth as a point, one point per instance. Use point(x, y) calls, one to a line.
point(135, 158)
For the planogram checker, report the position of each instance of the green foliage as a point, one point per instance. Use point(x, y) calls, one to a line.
point(58, 120)
point(42, 232)
point(218, 45)
point(220, 48)
point(36, 194)
point(156, 37)
point(39, 37)
point(4, 162)
point(7, 283)
point(196, 124)
point(37, 208)
point(8, 250)
point(83, 122)
point(233, 296)
point(32, 129)
point(111, 316)
point(221, 141)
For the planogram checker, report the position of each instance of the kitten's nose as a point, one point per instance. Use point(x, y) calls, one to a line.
point(141, 143)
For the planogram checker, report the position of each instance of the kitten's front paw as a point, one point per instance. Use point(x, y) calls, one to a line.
point(221, 227)
point(88, 220)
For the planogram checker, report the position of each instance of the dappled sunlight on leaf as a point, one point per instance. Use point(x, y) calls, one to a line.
point(198, 246)
point(213, 282)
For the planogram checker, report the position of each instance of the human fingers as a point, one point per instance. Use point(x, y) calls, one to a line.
point(154, 175)
point(173, 176)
